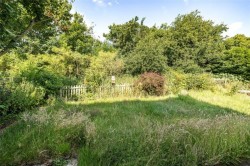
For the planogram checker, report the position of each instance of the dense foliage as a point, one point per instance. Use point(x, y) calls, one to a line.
point(127, 35)
point(16, 98)
point(46, 47)
point(236, 58)
point(148, 55)
point(191, 44)
point(195, 42)
point(22, 21)
point(101, 68)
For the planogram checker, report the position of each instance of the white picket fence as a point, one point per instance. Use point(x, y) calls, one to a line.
point(70, 91)
point(102, 91)
point(115, 91)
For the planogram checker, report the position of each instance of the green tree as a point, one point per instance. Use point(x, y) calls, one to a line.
point(39, 43)
point(25, 18)
point(236, 58)
point(238, 40)
point(74, 64)
point(237, 61)
point(195, 42)
point(126, 36)
point(78, 37)
point(148, 55)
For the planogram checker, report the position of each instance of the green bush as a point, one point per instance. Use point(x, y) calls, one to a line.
point(50, 81)
point(199, 82)
point(176, 81)
point(236, 61)
point(151, 84)
point(21, 97)
point(102, 68)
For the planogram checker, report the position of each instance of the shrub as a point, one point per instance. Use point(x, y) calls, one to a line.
point(21, 97)
point(151, 83)
point(236, 61)
point(199, 82)
point(176, 81)
point(101, 68)
point(50, 81)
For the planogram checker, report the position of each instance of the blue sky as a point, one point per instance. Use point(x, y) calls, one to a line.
point(102, 13)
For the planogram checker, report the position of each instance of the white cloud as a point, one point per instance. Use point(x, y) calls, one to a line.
point(99, 2)
point(234, 29)
point(104, 3)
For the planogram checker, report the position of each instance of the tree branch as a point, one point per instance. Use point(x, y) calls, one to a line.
point(17, 38)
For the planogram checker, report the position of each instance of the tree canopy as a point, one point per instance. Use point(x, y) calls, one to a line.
point(78, 36)
point(190, 43)
point(125, 36)
point(24, 18)
point(195, 41)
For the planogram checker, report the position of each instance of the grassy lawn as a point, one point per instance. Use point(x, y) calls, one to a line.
point(203, 128)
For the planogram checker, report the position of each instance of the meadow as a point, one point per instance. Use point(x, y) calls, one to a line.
point(201, 128)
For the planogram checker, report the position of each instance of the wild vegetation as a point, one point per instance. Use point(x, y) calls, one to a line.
point(183, 108)
point(203, 128)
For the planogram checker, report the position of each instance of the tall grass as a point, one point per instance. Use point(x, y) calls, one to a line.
point(141, 141)
point(175, 131)
point(203, 128)
point(43, 135)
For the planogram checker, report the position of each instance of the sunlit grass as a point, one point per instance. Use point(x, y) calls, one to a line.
point(237, 102)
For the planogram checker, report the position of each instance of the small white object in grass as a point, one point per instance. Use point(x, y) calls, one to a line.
point(113, 79)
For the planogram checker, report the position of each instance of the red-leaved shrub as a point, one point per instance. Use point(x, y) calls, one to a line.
point(151, 83)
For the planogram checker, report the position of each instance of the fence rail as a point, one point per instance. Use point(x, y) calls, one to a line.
point(70, 91)
point(102, 91)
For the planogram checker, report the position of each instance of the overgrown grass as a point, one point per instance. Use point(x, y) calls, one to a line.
point(42, 135)
point(203, 128)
